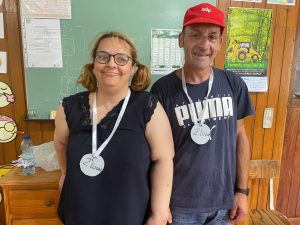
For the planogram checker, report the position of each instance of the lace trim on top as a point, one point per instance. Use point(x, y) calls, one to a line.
point(107, 123)
point(151, 106)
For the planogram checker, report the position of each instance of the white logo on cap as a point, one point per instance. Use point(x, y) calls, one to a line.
point(206, 10)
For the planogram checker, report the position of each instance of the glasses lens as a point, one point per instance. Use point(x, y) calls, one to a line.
point(121, 59)
point(9, 126)
point(102, 57)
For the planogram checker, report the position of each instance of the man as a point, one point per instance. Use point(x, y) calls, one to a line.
point(206, 107)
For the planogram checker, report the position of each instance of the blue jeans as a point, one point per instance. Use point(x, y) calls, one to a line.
point(183, 217)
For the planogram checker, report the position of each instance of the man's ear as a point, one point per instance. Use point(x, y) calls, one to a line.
point(180, 40)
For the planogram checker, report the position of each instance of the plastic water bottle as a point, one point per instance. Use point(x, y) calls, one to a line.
point(28, 163)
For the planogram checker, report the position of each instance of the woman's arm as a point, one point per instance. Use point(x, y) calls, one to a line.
point(61, 135)
point(159, 135)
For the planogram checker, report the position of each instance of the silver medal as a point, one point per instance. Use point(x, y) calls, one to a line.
point(201, 133)
point(91, 165)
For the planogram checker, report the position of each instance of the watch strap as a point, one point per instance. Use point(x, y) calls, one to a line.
point(242, 191)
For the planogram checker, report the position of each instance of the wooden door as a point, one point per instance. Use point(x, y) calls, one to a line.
point(288, 201)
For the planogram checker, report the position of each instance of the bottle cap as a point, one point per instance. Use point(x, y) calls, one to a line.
point(26, 137)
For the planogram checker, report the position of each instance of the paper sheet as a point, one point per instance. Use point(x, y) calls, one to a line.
point(60, 9)
point(42, 43)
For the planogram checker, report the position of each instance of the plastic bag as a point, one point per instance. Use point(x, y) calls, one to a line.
point(45, 156)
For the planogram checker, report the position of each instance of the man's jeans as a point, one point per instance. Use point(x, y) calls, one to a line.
point(182, 217)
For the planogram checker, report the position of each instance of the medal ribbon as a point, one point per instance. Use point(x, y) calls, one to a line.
point(94, 133)
point(205, 110)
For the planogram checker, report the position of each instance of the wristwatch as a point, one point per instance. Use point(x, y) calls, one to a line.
point(242, 191)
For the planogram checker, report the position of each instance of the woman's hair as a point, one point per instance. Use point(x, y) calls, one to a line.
point(141, 78)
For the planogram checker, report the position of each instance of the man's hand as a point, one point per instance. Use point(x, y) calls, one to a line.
point(238, 213)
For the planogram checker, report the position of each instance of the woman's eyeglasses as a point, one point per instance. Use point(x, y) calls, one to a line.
point(120, 59)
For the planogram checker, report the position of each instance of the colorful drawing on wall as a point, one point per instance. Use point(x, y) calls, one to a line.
point(248, 45)
point(8, 129)
point(6, 95)
point(282, 2)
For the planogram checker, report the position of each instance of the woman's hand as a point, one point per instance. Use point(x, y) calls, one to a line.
point(157, 220)
point(170, 217)
point(160, 220)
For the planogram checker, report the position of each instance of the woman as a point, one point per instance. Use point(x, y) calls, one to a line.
point(115, 154)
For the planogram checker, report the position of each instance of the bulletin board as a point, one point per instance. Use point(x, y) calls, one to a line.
point(45, 87)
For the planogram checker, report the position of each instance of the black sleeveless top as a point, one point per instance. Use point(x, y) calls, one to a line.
point(120, 194)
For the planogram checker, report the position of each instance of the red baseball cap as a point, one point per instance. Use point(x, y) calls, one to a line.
point(204, 13)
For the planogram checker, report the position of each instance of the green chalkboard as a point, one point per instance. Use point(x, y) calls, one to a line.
point(45, 87)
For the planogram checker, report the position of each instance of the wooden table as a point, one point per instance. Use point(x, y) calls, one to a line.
point(31, 200)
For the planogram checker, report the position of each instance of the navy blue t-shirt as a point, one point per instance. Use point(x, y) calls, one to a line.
point(204, 175)
point(120, 193)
